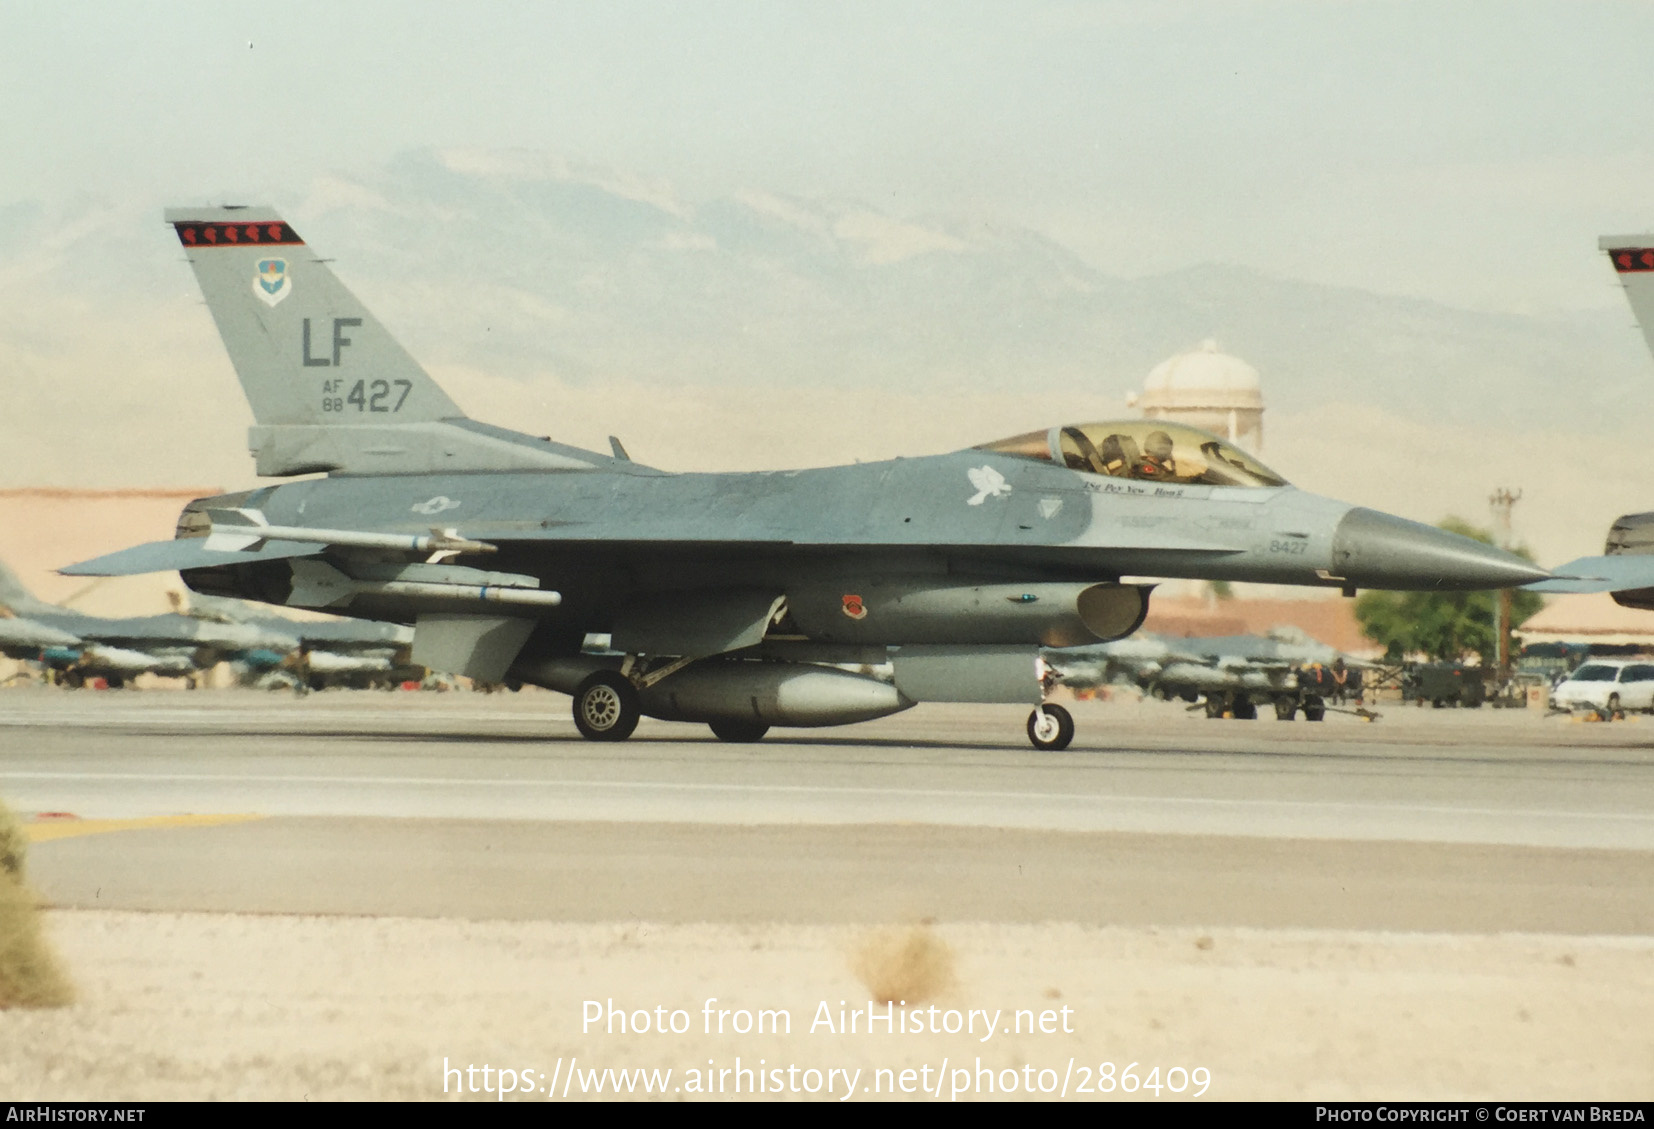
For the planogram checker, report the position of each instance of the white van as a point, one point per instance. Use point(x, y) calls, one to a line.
point(1609, 685)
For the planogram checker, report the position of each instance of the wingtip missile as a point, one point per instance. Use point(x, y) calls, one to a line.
point(235, 530)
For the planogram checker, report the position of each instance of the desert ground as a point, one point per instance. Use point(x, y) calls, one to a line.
point(363, 896)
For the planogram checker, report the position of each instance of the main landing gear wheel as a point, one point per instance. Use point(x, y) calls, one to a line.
point(1050, 727)
point(606, 707)
point(742, 732)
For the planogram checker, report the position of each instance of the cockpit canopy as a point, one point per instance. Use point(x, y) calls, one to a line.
point(1149, 450)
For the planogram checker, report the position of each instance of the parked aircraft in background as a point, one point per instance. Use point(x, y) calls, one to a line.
point(738, 600)
point(27, 641)
point(78, 647)
point(1285, 670)
point(355, 653)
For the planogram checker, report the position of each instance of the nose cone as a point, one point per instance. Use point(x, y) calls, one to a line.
point(1375, 550)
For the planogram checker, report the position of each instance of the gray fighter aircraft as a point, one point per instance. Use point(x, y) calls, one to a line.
point(1631, 535)
point(1626, 568)
point(1234, 673)
point(354, 653)
point(797, 598)
point(30, 642)
point(79, 646)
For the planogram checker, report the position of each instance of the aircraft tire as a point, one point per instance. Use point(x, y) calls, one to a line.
point(1245, 708)
point(1315, 709)
point(1050, 727)
point(1286, 708)
point(606, 707)
point(1215, 706)
point(737, 731)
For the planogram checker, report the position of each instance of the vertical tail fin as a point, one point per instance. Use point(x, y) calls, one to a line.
point(306, 351)
point(330, 389)
point(1633, 259)
point(16, 598)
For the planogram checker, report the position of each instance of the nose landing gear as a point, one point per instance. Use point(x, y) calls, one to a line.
point(1050, 727)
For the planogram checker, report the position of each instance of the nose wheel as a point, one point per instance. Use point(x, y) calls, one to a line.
point(1050, 727)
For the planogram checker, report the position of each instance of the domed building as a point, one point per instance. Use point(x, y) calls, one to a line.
point(1209, 390)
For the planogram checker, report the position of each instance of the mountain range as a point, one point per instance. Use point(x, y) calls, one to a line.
point(755, 329)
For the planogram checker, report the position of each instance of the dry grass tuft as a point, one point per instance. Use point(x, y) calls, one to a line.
point(30, 975)
point(904, 965)
point(14, 848)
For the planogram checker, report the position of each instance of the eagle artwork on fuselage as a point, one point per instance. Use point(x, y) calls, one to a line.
point(743, 601)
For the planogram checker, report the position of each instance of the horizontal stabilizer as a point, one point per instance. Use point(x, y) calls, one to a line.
point(183, 553)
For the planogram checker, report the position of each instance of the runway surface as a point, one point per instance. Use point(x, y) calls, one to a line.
point(492, 807)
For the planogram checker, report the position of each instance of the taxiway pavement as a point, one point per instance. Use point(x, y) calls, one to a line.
point(482, 806)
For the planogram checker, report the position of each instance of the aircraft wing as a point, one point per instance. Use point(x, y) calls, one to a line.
point(1618, 573)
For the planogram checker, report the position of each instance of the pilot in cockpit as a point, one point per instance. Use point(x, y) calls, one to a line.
point(1117, 456)
point(1157, 461)
point(1170, 452)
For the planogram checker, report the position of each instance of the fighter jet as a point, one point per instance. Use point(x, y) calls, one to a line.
point(79, 647)
point(796, 598)
point(1627, 568)
point(355, 653)
point(33, 643)
point(1285, 669)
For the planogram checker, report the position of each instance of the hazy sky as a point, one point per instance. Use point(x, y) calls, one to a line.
point(1467, 152)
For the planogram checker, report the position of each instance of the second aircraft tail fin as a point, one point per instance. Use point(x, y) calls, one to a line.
point(16, 598)
point(1633, 259)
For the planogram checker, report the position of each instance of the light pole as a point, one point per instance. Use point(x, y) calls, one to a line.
point(1501, 501)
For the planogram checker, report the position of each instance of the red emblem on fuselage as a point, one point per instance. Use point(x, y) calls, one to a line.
point(854, 608)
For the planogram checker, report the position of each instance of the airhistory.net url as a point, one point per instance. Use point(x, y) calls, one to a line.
point(1075, 1079)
